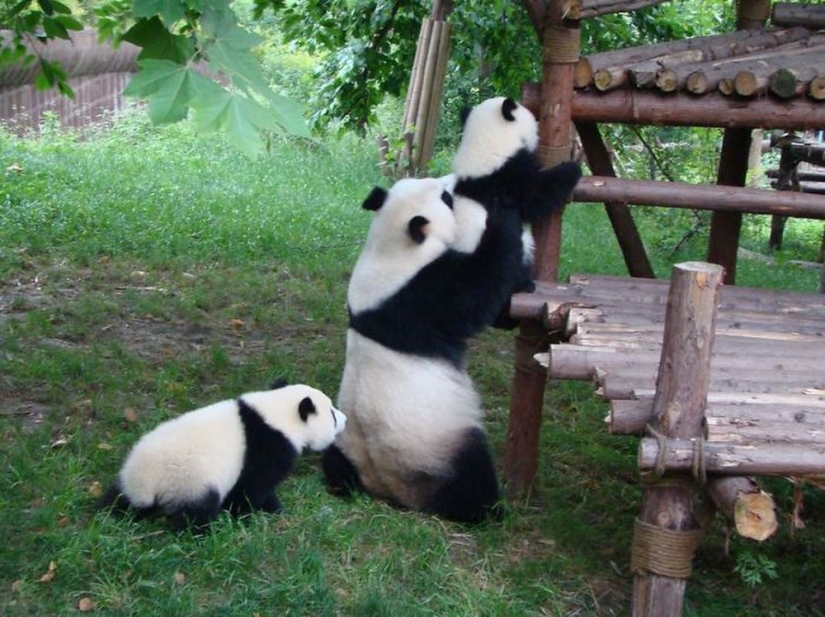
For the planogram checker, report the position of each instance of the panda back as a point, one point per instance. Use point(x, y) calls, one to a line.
point(183, 458)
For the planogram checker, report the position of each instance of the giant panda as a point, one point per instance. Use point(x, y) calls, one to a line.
point(228, 455)
point(415, 436)
point(496, 166)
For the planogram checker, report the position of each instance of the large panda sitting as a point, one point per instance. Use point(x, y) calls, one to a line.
point(414, 434)
point(496, 167)
point(229, 455)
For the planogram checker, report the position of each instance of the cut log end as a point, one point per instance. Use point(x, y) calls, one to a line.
point(755, 516)
point(817, 88)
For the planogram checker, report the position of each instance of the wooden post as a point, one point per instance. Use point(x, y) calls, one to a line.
point(560, 43)
point(667, 531)
point(725, 227)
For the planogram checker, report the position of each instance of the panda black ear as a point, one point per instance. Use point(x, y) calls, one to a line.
point(305, 408)
point(375, 199)
point(278, 383)
point(416, 228)
point(507, 109)
point(447, 198)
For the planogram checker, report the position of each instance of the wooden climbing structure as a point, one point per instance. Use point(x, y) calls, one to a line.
point(671, 359)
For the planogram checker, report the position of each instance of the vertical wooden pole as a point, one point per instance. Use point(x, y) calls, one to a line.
point(560, 43)
point(666, 517)
point(725, 227)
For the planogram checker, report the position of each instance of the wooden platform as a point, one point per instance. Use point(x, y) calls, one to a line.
point(766, 391)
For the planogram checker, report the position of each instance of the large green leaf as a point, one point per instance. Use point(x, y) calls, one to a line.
point(169, 10)
point(169, 88)
point(241, 119)
point(157, 42)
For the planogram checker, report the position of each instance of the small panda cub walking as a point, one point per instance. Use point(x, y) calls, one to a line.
point(229, 455)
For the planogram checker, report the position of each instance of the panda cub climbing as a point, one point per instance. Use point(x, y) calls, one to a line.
point(496, 167)
point(415, 436)
point(229, 455)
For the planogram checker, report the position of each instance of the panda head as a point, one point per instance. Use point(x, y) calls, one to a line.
point(413, 225)
point(493, 131)
point(304, 415)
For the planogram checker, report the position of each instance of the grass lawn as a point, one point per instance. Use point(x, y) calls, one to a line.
point(146, 272)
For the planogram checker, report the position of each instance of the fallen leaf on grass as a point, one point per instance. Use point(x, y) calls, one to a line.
point(15, 586)
point(130, 415)
point(50, 573)
point(95, 489)
point(179, 578)
point(85, 605)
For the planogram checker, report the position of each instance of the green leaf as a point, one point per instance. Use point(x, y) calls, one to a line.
point(167, 86)
point(54, 29)
point(158, 43)
point(240, 118)
point(289, 114)
point(169, 10)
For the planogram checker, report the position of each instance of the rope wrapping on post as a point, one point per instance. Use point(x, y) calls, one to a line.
point(561, 45)
point(665, 552)
point(550, 156)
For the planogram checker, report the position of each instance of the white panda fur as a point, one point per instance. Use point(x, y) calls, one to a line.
point(496, 166)
point(414, 435)
point(227, 455)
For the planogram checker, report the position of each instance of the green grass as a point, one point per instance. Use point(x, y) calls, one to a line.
point(146, 272)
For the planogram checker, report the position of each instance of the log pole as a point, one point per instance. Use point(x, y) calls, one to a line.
point(560, 38)
point(667, 531)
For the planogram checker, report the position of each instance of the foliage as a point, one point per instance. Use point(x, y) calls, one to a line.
point(754, 568)
point(45, 19)
point(195, 56)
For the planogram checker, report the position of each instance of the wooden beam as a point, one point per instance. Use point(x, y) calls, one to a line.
point(599, 189)
point(734, 459)
point(594, 8)
point(632, 106)
point(798, 14)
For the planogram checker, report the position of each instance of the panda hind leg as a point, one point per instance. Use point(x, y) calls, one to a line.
point(196, 515)
point(341, 475)
point(471, 493)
